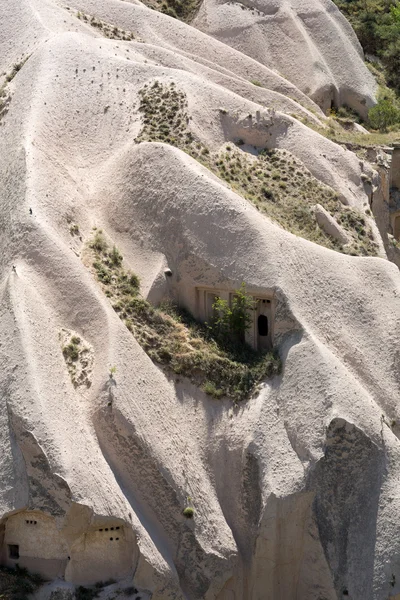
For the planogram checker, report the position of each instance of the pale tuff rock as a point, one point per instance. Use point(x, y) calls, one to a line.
point(330, 225)
point(294, 491)
point(308, 42)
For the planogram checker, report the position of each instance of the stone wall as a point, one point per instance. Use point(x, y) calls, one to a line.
point(36, 541)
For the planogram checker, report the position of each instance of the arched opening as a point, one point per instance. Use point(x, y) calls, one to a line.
point(262, 324)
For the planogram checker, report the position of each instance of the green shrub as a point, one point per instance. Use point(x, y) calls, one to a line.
point(211, 389)
point(115, 257)
point(383, 115)
point(188, 512)
point(99, 243)
point(71, 352)
point(85, 593)
point(230, 323)
point(377, 25)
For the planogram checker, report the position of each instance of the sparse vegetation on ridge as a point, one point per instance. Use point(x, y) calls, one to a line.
point(107, 29)
point(184, 10)
point(5, 99)
point(16, 67)
point(173, 338)
point(18, 584)
point(5, 96)
point(356, 141)
point(77, 358)
point(276, 182)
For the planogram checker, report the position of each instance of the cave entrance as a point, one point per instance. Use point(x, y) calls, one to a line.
point(263, 323)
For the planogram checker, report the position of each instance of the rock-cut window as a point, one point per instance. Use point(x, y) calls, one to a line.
point(13, 551)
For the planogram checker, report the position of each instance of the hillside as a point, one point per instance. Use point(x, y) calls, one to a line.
point(199, 283)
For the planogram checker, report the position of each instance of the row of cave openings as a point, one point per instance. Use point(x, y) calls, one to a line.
point(32, 540)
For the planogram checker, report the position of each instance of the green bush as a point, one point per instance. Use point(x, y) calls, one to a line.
point(230, 323)
point(377, 25)
point(384, 115)
point(99, 243)
point(188, 512)
point(115, 257)
point(211, 389)
point(71, 352)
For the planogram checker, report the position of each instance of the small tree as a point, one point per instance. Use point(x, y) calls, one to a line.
point(115, 256)
point(383, 115)
point(231, 322)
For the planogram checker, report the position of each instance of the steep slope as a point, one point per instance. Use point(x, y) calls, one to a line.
point(97, 472)
point(309, 42)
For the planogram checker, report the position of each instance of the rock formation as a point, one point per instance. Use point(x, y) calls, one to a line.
point(294, 491)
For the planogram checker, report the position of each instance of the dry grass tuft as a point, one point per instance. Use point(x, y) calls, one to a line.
point(276, 182)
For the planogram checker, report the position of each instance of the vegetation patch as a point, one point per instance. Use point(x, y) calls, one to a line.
point(5, 95)
point(184, 10)
point(87, 593)
point(174, 339)
point(18, 584)
point(5, 99)
point(377, 25)
point(276, 182)
point(106, 29)
point(385, 115)
point(16, 68)
point(337, 129)
point(282, 188)
point(165, 117)
point(78, 358)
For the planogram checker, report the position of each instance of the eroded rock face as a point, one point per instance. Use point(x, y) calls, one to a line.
point(294, 492)
point(308, 42)
point(289, 560)
point(330, 225)
point(348, 482)
point(78, 548)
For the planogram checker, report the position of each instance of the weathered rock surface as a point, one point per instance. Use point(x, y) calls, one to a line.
point(330, 225)
point(308, 42)
point(296, 490)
